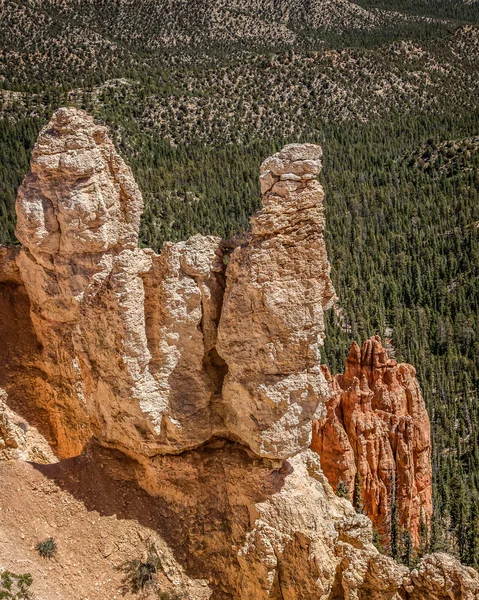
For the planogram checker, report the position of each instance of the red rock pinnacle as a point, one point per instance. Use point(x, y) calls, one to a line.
point(376, 431)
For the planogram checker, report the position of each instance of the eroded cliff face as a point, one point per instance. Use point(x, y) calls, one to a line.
point(376, 435)
point(194, 374)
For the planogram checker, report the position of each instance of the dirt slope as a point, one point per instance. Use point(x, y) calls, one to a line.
point(35, 505)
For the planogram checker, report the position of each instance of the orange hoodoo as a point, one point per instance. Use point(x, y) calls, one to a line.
point(376, 431)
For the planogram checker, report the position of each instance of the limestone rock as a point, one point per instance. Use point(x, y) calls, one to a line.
point(377, 428)
point(260, 529)
point(128, 337)
point(79, 194)
point(29, 391)
point(272, 326)
point(440, 576)
point(161, 312)
point(18, 439)
point(143, 351)
point(78, 205)
point(183, 312)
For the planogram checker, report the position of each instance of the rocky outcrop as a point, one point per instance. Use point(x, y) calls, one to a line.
point(150, 354)
point(441, 576)
point(376, 435)
point(19, 440)
point(127, 337)
point(77, 209)
point(192, 377)
point(272, 324)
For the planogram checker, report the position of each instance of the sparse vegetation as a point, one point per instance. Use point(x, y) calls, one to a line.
point(47, 548)
point(343, 490)
point(379, 542)
point(15, 587)
point(141, 573)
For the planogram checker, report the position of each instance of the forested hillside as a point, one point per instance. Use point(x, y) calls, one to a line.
point(198, 94)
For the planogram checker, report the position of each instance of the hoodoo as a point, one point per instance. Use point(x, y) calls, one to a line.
point(375, 437)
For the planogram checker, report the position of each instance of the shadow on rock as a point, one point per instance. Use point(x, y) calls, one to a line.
point(202, 502)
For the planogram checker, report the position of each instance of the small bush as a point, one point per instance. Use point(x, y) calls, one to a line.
point(343, 490)
point(141, 573)
point(378, 541)
point(15, 587)
point(47, 548)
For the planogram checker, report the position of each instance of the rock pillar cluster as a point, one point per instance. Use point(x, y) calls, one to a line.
point(375, 437)
point(272, 324)
point(159, 353)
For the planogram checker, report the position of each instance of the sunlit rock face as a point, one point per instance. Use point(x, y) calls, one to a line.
point(272, 325)
point(126, 334)
point(376, 434)
point(159, 353)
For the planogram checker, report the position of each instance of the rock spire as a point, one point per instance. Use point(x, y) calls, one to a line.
point(376, 435)
point(272, 324)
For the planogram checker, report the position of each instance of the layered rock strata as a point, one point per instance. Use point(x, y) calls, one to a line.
point(197, 381)
point(375, 435)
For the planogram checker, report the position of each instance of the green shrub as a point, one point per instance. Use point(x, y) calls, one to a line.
point(15, 587)
point(47, 548)
point(141, 573)
point(343, 490)
point(379, 541)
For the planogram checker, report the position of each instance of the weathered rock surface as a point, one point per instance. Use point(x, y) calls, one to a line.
point(266, 529)
point(272, 324)
point(188, 389)
point(143, 351)
point(127, 337)
point(377, 428)
point(19, 440)
point(77, 208)
point(79, 195)
point(441, 576)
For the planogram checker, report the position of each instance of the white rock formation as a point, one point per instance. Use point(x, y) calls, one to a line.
point(272, 323)
point(130, 338)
